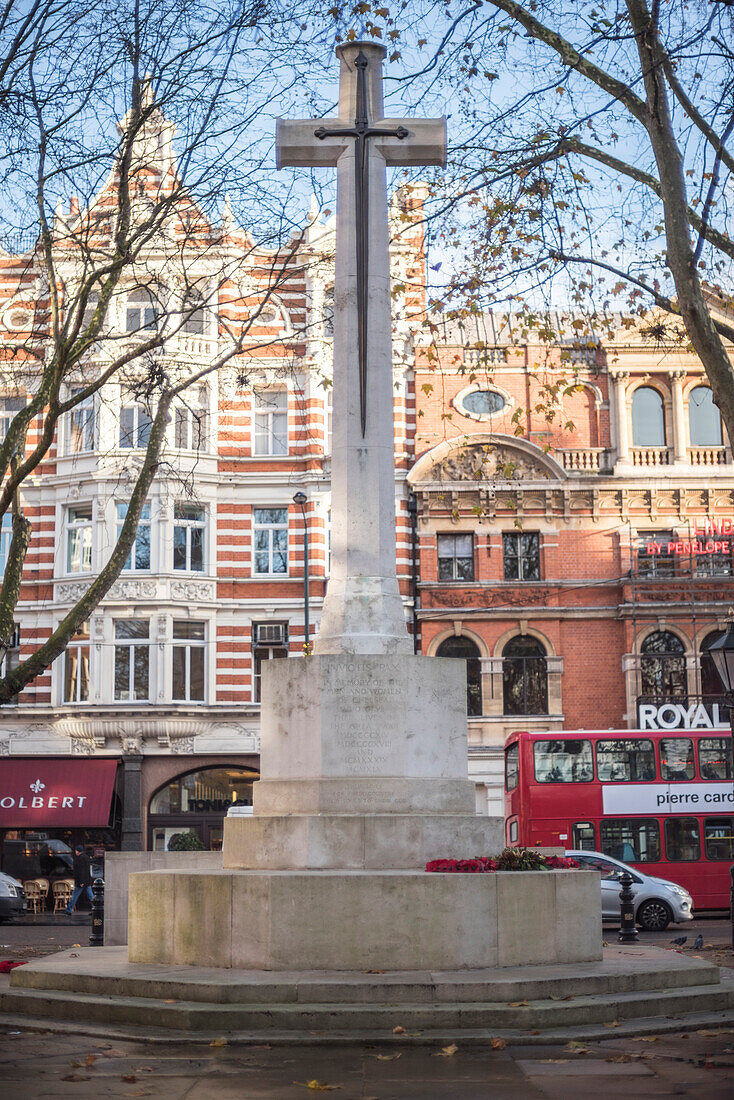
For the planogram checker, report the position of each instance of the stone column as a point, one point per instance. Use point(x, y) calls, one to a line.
point(680, 451)
point(619, 386)
point(132, 830)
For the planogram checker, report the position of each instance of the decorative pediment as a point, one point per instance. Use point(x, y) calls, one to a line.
point(485, 458)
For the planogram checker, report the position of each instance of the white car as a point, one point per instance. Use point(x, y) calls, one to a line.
point(657, 901)
point(12, 897)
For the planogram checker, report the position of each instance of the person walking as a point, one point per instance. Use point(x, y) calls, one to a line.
point(82, 877)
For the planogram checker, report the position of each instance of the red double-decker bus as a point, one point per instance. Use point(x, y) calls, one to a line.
point(661, 801)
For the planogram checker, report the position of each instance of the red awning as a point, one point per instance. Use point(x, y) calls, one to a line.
point(44, 793)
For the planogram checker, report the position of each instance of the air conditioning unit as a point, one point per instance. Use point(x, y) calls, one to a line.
point(271, 633)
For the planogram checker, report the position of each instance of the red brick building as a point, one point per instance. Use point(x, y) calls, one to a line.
point(541, 471)
point(575, 505)
point(163, 680)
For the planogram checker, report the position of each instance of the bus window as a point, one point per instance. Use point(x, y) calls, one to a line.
point(625, 759)
point(633, 840)
point(682, 838)
point(676, 758)
point(563, 762)
point(583, 836)
point(714, 757)
point(718, 838)
point(512, 766)
point(513, 831)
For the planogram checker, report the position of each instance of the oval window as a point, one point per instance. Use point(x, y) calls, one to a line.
point(483, 402)
point(18, 318)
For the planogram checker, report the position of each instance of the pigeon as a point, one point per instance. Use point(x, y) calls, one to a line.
point(698, 942)
point(679, 940)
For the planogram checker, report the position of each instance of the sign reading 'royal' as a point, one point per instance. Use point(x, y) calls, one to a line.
point(682, 716)
point(48, 793)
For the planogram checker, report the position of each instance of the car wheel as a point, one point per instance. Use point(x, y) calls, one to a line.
point(654, 915)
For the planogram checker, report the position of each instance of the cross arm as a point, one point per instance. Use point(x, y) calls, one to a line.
point(296, 145)
point(425, 142)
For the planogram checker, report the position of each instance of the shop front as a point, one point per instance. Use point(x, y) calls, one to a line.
point(48, 805)
point(189, 810)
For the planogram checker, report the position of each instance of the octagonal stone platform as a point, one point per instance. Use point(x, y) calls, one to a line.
point(360, 920)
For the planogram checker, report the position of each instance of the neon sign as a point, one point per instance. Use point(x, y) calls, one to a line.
point(713, 537)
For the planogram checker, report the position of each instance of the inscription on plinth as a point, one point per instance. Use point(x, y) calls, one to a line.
point(337, 717)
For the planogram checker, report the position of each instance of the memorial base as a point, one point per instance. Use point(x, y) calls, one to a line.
point(363, 920)
point(364, 779)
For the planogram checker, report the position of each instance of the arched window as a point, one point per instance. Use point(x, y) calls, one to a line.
point(663, 667)
point(704, 418)
point(648, 418)
point(197, 803)
point(710, 680)
point(524, 676)
point(466, 649)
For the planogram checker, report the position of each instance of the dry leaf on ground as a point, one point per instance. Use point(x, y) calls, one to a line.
point(555, 1061)
point(517, 1004)
point(75, 1077)
point(170, 1001)
point(387, 1057)
point(220, 1042)
point(612, 1023)
point(90, 1059)
point(316, 1086)
point(645, 1039)
point(498, 1044)
point(446, 1052)
point(113, 1052)
point(129, 1077)
point(398, 1030)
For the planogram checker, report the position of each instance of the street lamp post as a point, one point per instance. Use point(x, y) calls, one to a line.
point(722, 654)
point(300, 499)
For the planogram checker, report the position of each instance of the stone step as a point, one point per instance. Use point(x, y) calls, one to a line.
point(104, 971)
point(368, 1019)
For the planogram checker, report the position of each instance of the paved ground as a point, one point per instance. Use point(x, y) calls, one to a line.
point(700, 1065)
point(716, 933)
point(27, 941)
point(42, 1066)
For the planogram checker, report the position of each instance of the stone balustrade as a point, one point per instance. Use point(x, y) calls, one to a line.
point(650, 456)
point(707, 456)
point(584, 459)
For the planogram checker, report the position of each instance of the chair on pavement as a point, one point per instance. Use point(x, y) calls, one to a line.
point(62, 891)
point(45, 888)
point(33, 894)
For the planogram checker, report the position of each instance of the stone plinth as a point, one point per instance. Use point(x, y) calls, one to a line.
point(352, 920)
point(377, 734)
point(363, 842)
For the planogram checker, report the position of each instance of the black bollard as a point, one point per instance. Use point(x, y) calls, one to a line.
point(627, 929)
point(97, 937)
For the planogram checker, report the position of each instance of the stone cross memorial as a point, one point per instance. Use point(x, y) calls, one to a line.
point(363, 611)
point(363, 744)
